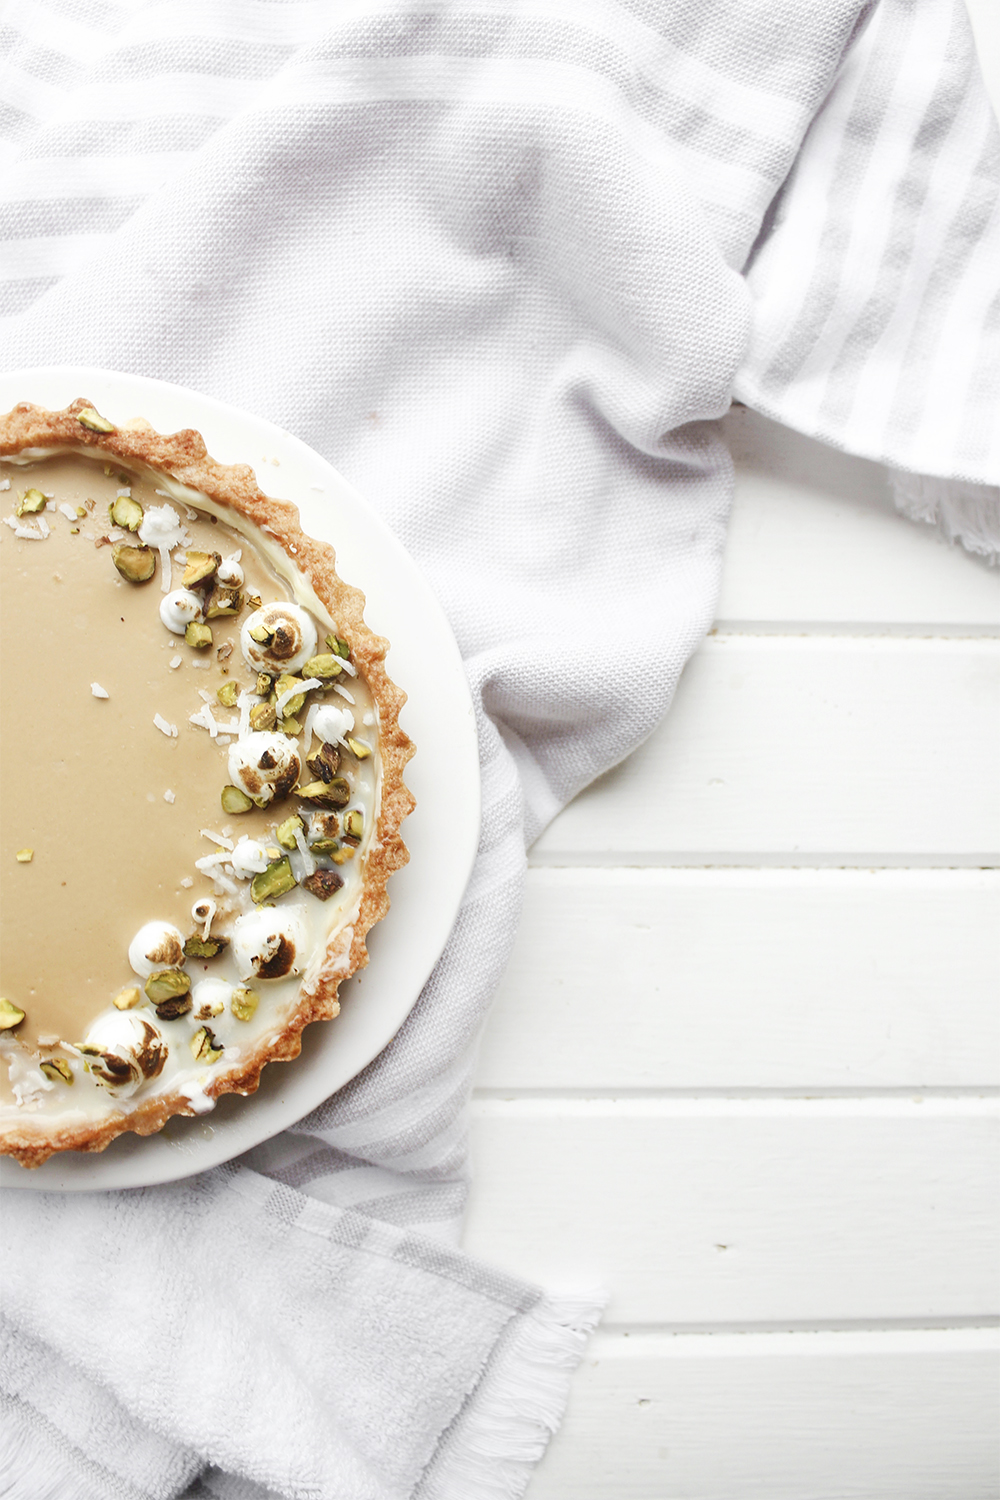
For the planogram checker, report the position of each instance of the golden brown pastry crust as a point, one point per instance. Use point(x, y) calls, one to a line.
point(184, 457)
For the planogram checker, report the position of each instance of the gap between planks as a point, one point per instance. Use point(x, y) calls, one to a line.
point(914, 1104)
point(726, 1341)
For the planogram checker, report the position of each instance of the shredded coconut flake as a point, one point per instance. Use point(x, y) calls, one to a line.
point(68, 512)
point(36, 533)
point(169, 796)
point(170, 730)
point(125, 490)
point(4, 484)
point(187, 882)
point(217, 838)
point(175, 662)
point(304, 686)
point(98, 691)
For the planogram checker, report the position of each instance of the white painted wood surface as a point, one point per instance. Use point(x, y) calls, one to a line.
point(742, 1071)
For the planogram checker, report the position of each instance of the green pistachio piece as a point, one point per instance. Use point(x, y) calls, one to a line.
point(197, 635)
point(273, 882)
point(358, 748)
point(58, 1069)
point(354, 823)
point(199, 947)
point(261, 635)
point(342, 855)
point(338, 646)
point(325, 764)
point(205, 1046)
point(335, 793)
point(224, 601)
point(200, 566)
point(235, 800)
point(165, 985)
point(285, 832)
point(323, 883)
point(244, 1003)
point(126, 513)
point(324, 666)
point(264, 685)
point(290, 726)
point(31, 502)
point(10, 1015)
point(228, 694)
point(24, 856)
point(93, 420)
point(263, 716)
point(137, 564)
point(285, 681)
point(324, 846)
point(127, 998)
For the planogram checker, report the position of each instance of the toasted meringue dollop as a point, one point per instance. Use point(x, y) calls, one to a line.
point(265, 765)
point(157, 945)
point(291, 638)
point(269, 943)
point(178, 609)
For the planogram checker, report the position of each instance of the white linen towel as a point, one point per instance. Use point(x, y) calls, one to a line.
point(504, 262)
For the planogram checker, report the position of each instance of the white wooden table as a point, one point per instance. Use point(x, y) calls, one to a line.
point(739, 1072)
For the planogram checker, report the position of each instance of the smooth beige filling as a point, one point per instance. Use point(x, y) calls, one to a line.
point(84, 780)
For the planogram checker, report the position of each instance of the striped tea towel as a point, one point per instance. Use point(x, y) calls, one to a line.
point(504, 263)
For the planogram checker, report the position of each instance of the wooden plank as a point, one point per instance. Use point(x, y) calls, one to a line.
point(812, 749)
point(814, 536)
point(750, 978)
point(711, 1210)
point(903, 1416)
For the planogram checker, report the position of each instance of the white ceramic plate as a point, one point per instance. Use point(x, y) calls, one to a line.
point(444, 777)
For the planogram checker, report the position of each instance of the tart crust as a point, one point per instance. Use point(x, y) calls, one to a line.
point(184, 457)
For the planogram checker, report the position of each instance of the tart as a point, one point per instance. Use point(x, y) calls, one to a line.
point(202, 780)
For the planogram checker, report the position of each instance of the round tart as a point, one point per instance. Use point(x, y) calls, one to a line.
point(202, 780)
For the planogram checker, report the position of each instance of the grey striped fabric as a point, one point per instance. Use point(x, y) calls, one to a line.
point(505, 263)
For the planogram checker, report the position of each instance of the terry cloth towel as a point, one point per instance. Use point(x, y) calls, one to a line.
point(505, 263)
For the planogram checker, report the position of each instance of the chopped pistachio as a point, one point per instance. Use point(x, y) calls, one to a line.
point(31, 502)
point(354, 823)
point(285, 681)
point(254, 601)
point(273, 882)
point(324, 846)
point(263, 716)
point(335, 793)
point(24, 856)
point(199, 947)
point(127, 999)
point(290, 726)
point(285, 832)
point(224, 601)
point(93, 420)
point(197, 635)
point(261, 635)
point(126, 512)
point(137, 564)
point(235, 800)
point(323, 666)
point(10, 1015)
point(200, 566)
point(325, 764)
point(164, 985)
point(263, 685)
point(338, 646)
point(58, 1069)
point(358, 748)
point(225, 651)
point(323, 883)
point(244, 1003)
point(205, 1046)
point(342, 855)
point(228, 694)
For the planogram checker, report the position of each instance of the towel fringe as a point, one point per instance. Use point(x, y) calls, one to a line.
point(517, 1406)
point(962, 512)
point(30, 1470)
